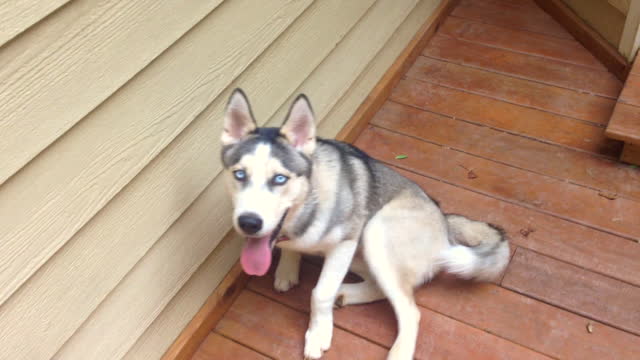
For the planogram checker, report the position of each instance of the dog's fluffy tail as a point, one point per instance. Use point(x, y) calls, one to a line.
point(479, 250)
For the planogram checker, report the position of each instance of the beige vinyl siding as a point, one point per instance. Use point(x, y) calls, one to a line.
point(621, 5)
point(602, 16)
point(76, 59)
point(112, 207)
point(18, 15)
point(84, 169)
point(193, 294)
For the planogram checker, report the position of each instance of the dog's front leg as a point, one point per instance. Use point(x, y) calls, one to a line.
point(288, 270)
point(336, 265)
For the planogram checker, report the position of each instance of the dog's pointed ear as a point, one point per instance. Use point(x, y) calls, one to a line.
point(299, 127)
point(238, 119)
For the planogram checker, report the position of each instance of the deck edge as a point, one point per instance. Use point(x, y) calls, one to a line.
point(588, 37)
point(214, 308)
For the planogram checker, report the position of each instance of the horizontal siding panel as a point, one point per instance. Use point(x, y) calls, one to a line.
point(175, 316)
point(338, 71)
point(55, 301)
point(120, 235)
point(147, 289)
point(19, 15)
point(382, 61)
point(71, 62)
point(277, 60)
point(96, 159)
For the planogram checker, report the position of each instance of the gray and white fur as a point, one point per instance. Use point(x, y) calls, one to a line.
point(328, 197)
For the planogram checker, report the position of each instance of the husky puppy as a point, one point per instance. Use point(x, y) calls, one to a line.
point(306, 194)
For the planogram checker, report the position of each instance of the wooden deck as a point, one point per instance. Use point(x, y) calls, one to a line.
point(502, 119)
point(624, 124)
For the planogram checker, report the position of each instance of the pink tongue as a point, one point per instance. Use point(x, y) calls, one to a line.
point(256, 256)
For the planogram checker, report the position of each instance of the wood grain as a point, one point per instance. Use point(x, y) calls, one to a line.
point(535, 68)
point(64, 68)
point(585, 169)
point(440, 337)
point(553, 99)
point(594, 42)
point(504, 116)
point(631, 91)
point(553, 196)
point(625, 123)
point(631, 154)
point(518, 15)
point(19, 15)
point(540, 327)
point(217, 347)
point(567, 50)
point(567, 241)
point(567, 286)
point(278, 331)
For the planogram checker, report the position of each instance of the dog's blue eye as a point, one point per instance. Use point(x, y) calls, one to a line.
point(240, 175)
point(280, 179)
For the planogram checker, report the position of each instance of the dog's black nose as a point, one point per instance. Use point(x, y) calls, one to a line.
point(250, 223)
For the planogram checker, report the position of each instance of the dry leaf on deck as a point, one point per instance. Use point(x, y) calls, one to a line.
point(527, 231)
point(608, 195)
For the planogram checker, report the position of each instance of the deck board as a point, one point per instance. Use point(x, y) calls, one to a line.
point(544, 70)
point(543, 97)
point(441, 337)
point(570, 242)
point(503, 91)
point(587, 170)
point(278, 331)
point(574, 289)
point(567, 50)
point(542, 327)
point(631, 92)
point(505, 116)
point(216, 346)
point(527, 16)
point(517, 185)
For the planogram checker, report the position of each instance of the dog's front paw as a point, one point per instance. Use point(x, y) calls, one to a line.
point(317, 340)
point(288, 272)
point(284, 284)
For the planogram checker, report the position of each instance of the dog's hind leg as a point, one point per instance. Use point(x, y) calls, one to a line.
point(383, 253)
point(359, 293)
point(335, 267)
point(288, 270)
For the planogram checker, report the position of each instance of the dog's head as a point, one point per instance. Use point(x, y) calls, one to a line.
point(268, 171)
